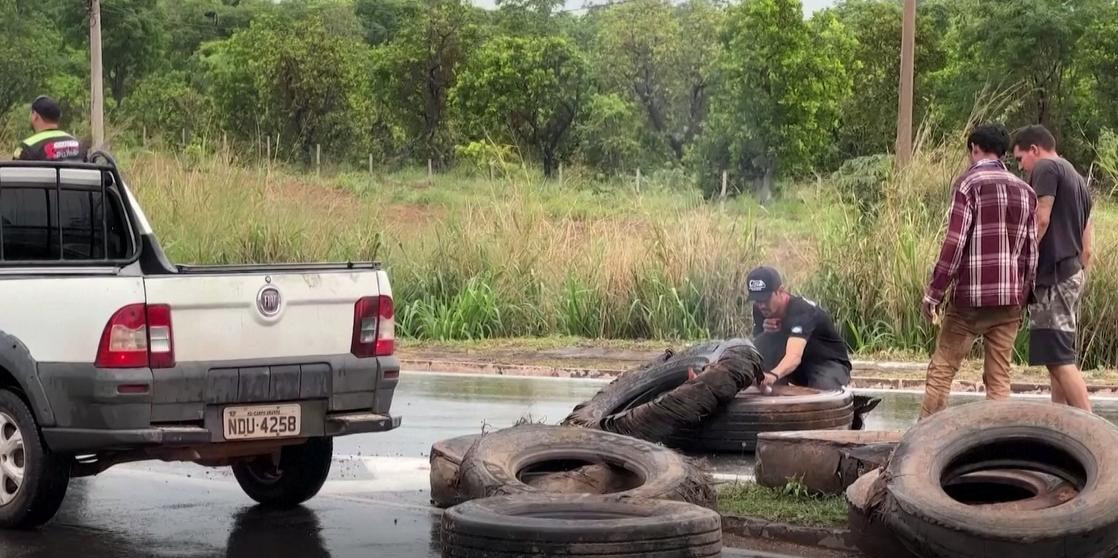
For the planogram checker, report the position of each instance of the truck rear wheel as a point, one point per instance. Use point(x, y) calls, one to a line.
point(294, 478)
point(33, 479)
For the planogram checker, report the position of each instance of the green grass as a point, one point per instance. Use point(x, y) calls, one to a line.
point(518, 256)
point(786, 506)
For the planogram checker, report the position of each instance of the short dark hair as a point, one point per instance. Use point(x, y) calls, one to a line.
point(47, 108)
point(990, 138)
point(1034, 135)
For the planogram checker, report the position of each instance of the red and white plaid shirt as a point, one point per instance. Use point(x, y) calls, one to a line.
point(990, 251)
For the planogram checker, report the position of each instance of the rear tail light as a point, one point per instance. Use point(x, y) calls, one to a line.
point(161, 342)
point(374, 327)
point(138, 336)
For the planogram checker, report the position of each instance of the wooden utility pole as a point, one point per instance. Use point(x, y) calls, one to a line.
point(908, 72)
point(96, 85)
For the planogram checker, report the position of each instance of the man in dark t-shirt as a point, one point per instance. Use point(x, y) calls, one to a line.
point(1064, 233)
point(797, 339)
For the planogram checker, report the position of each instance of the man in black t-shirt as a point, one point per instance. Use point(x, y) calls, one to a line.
point(1065, 233)
point(797, 339)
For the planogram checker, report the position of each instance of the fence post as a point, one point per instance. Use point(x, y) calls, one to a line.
point(318, 159)
point(560, 174)
point(268, 161)
point(430, 171)
point(184, 137)
point(145, 136)
point(370, 164)
point(638, 180)
point(491, 171)
point(724, 179)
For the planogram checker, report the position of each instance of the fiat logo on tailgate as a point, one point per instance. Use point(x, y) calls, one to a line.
point(268, 301)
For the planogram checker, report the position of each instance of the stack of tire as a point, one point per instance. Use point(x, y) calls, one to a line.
point(1005, 478)
point(538, 490)
point(570, 490)
point(733, 427)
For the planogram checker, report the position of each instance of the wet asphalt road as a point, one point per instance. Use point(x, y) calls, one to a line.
point(374, 505)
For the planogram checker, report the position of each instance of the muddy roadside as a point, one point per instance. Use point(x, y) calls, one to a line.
point(571, 358)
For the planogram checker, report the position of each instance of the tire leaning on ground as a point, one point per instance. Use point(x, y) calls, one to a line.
point(498, 464)
point(297, 476)
point(642, 385)
point(580, 525)
point(815, 459)
point(446, 458)
point(1074, 446)
point(789, 408)
point(33, 480)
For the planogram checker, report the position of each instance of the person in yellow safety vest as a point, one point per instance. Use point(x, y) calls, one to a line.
point(48, 143)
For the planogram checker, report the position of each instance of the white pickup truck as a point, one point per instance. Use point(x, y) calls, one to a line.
point(109, 353)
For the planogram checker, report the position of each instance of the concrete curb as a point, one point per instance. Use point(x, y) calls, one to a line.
point(862, 378)
point(833, 538)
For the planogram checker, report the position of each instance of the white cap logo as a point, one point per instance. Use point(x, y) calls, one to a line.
point(756, 285)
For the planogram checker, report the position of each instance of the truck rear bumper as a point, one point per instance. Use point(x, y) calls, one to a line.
point(78, 440)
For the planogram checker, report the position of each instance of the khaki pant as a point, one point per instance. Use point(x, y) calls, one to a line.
point(997, 326)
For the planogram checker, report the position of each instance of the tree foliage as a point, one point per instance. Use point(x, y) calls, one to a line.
point(784, 81)
point(751, 87)
point(292, 81)
point(528, 89)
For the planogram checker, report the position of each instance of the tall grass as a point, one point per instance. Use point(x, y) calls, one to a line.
point(471, 257)
point(474, 258)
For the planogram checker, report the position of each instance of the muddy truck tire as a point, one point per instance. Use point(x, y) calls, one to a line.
point(868, 531)
point(296, 477)
point(446, 457)
point(1078, 448)
point(33, 479)
point(580, 525)
point(505, 462)
point(640, 386)
point(734, 429)
point(813, 458)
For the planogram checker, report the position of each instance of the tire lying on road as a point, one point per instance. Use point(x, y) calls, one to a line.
point(789, 408)
point(1077, 447)
point(580, 525)
point(446, 457)
point(503, 462)
point(642, 385)
point(814, 458)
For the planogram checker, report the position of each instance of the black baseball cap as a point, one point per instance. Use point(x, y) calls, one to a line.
point(47, 108)
point(761, 283)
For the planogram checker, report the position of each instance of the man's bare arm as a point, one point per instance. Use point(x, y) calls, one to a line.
point(1043, 215)
point(793, 356)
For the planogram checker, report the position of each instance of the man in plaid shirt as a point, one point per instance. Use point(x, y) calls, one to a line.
point(989, 255)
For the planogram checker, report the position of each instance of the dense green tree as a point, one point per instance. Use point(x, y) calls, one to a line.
point(869, 116)
point(608, 139)
point(29, 53)
point(291, 80)
point(133, 38)
point(415, 71)
point(528, 89)
point(662, 57)
point(382, 19)
point(784, 81)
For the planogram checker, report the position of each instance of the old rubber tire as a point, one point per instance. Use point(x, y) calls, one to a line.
point(45, 476)
point(812, 458)
point(735, 428)
point(644, 384)
point(1075, 446)
point(296, 478)
point(496, 465)
point(566, 525)
point(446, 458)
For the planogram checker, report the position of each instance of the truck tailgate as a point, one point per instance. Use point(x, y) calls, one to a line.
point(260, 315)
